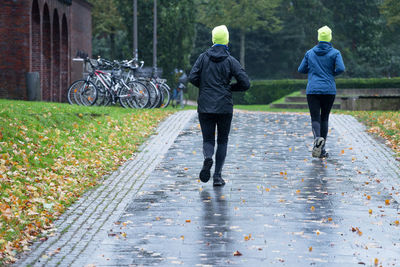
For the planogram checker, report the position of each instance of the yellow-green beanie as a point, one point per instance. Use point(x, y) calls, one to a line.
point(325, 34)
point(220, 35)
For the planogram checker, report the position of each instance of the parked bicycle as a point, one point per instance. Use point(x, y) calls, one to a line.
point(107, 87)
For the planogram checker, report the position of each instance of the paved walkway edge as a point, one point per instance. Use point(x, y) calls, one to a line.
point(87, 220)
point(379, 158)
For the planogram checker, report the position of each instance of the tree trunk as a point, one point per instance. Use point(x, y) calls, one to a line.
point(242, 48)
point(112, 46)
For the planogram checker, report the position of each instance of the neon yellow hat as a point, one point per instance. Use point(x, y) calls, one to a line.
point(220, 35)
point(325, 34)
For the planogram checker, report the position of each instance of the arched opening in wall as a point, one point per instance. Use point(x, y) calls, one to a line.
point(56, 59)
point(64, 59)
point(36, 40)
point(46, 55)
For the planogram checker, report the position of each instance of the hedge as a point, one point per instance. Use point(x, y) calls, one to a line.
point(267, 91)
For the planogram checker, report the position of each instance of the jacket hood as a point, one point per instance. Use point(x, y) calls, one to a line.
point(322, 48)
point(217, 53)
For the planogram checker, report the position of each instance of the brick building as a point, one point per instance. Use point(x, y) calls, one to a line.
point(42, 36)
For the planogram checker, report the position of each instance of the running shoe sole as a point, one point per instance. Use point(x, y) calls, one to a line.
point(317, 149)
point(218, 182)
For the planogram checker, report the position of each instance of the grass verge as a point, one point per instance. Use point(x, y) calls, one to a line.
point(51, 153)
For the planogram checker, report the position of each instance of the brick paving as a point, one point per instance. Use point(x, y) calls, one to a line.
point(279, 206)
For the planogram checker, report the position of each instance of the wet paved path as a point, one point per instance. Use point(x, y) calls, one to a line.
point(279, 206)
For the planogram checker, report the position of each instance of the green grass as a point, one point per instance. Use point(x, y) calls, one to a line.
point(51, 153)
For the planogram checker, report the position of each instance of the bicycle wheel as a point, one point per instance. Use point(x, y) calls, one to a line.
point(101, 93)
point(154, 93)
point(88, 94)
point(165, 95)
point(141, 95)
point(72, 90)
point(75, 90)
point(125, 95)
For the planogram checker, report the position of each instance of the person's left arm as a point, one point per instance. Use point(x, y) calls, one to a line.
point(303, 68)
point(243, 82)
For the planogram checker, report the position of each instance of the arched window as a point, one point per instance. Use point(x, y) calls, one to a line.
point(46, 55)
point(64, 59)
point(56, 92)
point(36, 40)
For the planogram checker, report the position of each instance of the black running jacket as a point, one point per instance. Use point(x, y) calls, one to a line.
point(212, 73)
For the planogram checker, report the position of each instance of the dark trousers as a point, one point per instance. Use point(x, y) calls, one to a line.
point(208, 123)
point(320, 106)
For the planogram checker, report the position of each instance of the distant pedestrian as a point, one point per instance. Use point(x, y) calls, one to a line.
point(212, 73)
point(322, 63)
point(177, 96)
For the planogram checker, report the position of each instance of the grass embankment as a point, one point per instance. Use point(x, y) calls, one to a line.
point(50, 154)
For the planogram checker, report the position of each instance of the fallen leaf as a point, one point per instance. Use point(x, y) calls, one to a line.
point(237, 253)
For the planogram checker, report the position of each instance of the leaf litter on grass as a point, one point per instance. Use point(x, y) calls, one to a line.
point(49, 156)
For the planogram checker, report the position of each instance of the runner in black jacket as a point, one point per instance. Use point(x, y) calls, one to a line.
point(212, 73)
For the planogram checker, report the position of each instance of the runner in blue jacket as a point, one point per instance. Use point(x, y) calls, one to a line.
point(322, 63)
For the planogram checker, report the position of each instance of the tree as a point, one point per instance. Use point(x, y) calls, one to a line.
point(391, 10)
point(243, 15)
point(107, 22)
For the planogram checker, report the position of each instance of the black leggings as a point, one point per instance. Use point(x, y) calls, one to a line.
point(208, 122)
point(320, 106)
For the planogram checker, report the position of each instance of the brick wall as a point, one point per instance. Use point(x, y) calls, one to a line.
point(81, 24)
point(14, 48)
point(40, 36)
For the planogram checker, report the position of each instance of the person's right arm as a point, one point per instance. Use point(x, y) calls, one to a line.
point(303, 68)
point(241, 77)
point(195, 73)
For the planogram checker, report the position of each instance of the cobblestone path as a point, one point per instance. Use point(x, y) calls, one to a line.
point(279, 206)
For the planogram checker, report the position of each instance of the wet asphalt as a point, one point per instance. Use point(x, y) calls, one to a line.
point(279, 207)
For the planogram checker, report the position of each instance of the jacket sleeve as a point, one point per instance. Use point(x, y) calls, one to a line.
point(243, 83)
point(339, 65)
point(195, 73)
point(303, 68)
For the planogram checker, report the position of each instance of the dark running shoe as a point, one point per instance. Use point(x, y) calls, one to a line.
point(205, 171)
point(218, 181)
point(318, 145)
